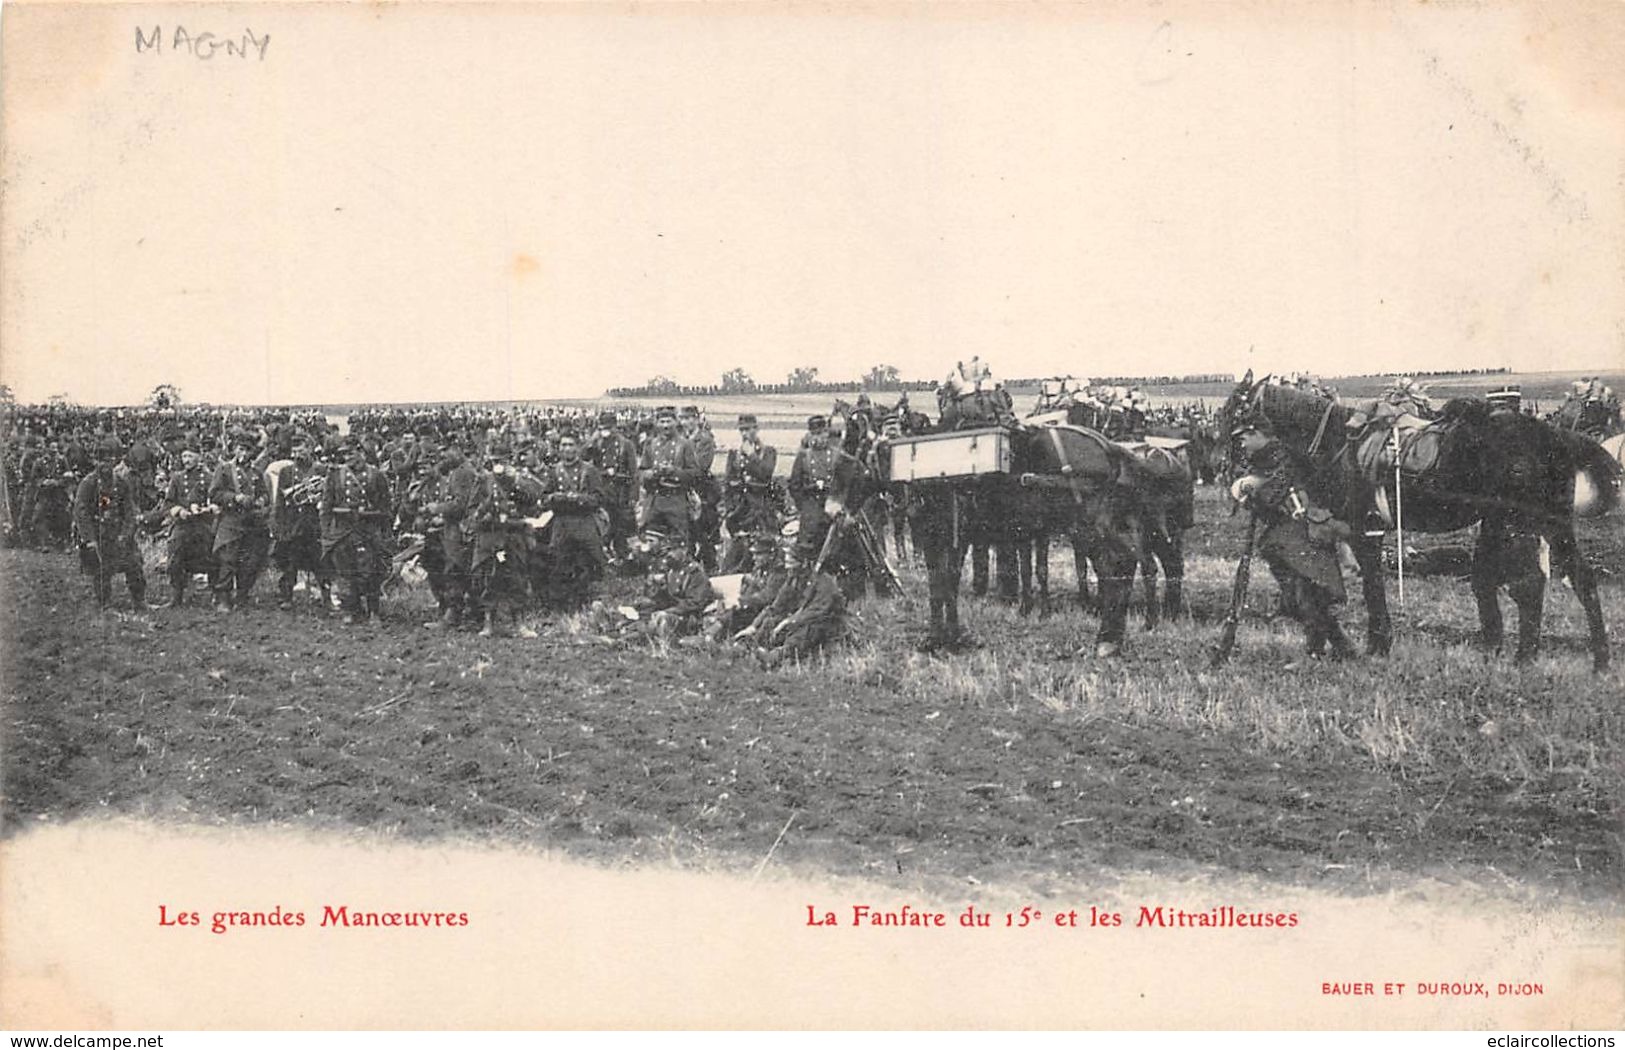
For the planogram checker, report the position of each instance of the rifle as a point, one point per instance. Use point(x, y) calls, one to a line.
point(831, 541)
point(1238, 595)
point(876, 555)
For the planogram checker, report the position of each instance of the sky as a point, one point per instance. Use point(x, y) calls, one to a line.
point(405, 202)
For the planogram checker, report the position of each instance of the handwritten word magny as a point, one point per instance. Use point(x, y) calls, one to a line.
point(203, 46)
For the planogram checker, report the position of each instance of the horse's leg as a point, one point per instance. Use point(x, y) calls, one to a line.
point(1527, 586)
point(1379, 629)
point(978, 569)
point(936, 574)
point(1173, 571)
point(1080, 563)
point(899, 523)
point(1007, 570)
point(954, 634)
point(1025, 554)
point(1148, 576)
point(1566, 553)
point(1487, 576)
point(1041, 571)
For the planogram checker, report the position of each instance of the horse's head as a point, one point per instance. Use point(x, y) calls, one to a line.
point(1240, 409)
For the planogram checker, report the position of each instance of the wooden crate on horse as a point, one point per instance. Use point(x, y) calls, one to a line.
point(957, 454)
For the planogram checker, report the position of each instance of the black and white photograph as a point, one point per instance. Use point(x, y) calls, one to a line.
point(704, 515)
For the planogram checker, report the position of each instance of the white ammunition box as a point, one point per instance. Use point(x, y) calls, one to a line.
point(963, 453)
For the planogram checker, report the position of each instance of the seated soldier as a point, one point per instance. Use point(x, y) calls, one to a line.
point(678, 596)
point(819, 618)
point(760, 586)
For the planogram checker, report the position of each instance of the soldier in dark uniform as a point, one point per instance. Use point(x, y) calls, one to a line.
point(1297, 539)
point(142, 461)
point(575, 495)
point(502, 543)
point(678, 595)
point(761, 584)
point(670, 471)
point(355, 511)
point(448, 543)
point(617, 460)
point(296, 526)
point(751, 508)
point(241, 541)
point(51, 483)
point(708, 525)
point(814, 484)
point(105, 515)
point(818, 618)
point(190, 515)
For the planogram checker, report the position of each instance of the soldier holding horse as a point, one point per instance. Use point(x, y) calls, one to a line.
point(1510, 474)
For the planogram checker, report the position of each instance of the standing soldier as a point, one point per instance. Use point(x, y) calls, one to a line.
point(670, 471)
point(448, 543)
point(51, 487)
point(355, 509)
point(240, 537)
point(142, 460)
point(296, 526)
point(501, 554)
point(751, 507)
point(105, 515)
point(815, 483)
point(617, 460)
point(708, 525)
point(575, 495)
point(1298, 540)
point(191, 524)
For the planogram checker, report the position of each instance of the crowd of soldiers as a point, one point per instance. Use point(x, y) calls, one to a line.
point(502, 511)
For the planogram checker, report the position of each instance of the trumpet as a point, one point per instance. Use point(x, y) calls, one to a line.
point(305, 492)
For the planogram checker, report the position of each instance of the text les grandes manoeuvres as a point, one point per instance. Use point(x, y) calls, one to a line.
point(341, 916)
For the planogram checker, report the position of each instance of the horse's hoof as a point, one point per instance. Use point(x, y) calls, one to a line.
point(929, 644)
point(1108, 650)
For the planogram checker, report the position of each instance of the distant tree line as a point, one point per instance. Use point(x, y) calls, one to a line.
point(1448, 374)
point(802, 380)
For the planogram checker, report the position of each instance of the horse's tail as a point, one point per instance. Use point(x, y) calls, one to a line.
point(1597, 475)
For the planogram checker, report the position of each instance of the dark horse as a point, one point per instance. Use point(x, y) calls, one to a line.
point(1063, 479)
point(1511, 474)
point(1165, 495)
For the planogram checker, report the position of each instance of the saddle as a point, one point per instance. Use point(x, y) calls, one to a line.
point(1158, 459)
point(1420, 446)
point(1076, 452)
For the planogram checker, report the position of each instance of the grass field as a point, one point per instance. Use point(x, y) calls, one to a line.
point(1020, 758)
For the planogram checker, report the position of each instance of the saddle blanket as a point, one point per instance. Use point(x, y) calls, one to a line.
point(1156, 457)
point(1418, 452)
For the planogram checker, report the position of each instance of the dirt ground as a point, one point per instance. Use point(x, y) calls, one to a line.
point(1018, 760)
